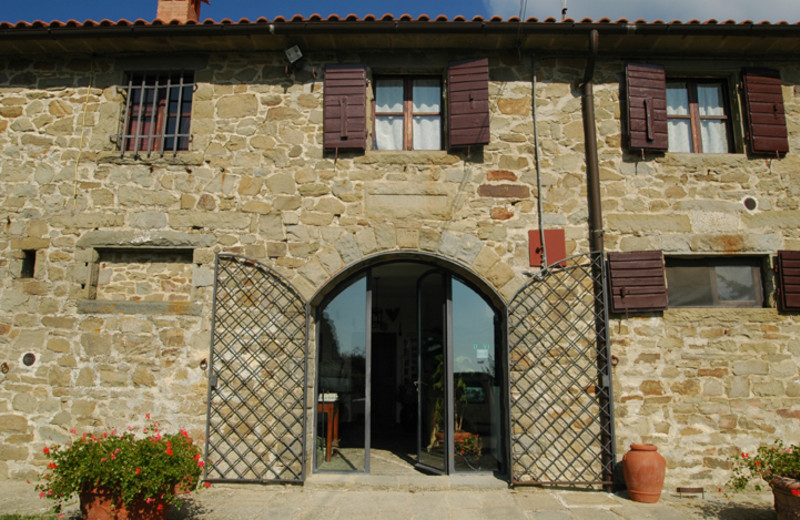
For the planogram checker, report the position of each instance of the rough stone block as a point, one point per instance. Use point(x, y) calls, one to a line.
point(16, 453)
point(348, 249)
point(366, 241)
point(202, 276)
point(504, 191)
point(407, 238)
point(237, 106)
point(751, 367)
point(96, 344)
point(651, 387)
point(12, 423)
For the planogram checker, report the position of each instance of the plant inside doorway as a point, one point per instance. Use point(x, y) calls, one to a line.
point(459, 403)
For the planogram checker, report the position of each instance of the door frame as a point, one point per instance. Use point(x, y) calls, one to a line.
point(451, 269)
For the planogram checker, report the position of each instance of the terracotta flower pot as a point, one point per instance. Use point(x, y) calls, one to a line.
point(457, 436)
point(102, 504)
point(644, 469)
point(786, 492)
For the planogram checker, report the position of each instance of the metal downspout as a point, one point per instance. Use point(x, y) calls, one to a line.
point(590, 136)
point(605, 385)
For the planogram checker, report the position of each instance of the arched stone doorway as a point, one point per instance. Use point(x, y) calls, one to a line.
point(410, 366)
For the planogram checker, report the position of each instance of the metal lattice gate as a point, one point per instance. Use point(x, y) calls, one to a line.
point(257, 379)
point(561, 406)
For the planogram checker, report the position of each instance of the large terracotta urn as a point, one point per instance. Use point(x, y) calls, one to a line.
point(644, 469)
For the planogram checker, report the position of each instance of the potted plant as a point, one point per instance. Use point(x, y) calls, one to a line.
point(777, 465)
point(459, 403)
point(122, 475)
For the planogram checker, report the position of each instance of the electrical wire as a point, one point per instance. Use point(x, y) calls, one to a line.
point(83, 133)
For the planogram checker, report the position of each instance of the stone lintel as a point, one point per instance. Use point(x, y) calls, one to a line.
point(149, 308)
point(30, 243)
point(407, 201)
point(165, 239)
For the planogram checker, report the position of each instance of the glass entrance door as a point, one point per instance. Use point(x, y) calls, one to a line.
point(477, 382)
point(409, 353)
point(342, 430)
point(460, 413)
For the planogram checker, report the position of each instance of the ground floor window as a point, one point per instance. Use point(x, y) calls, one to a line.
point(715, 281)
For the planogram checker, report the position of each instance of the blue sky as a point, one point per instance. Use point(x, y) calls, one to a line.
point(739, 10)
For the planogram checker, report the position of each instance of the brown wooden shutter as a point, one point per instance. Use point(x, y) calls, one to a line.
point(345, 107)
point(766, 118)
point(468, 103)
point(788, 267)
point(636, 281)
point(646, 92)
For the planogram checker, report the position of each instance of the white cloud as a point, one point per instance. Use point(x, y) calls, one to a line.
point(651, 10)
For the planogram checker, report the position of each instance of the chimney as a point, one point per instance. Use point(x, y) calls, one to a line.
point(180, 10)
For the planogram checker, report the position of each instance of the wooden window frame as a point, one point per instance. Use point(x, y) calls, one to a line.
point(146, 121)
point(711, 263)
point(694, 117)
point(408, 109)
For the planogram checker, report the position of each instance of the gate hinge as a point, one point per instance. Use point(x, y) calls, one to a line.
point(604, 381)
point(212, 381)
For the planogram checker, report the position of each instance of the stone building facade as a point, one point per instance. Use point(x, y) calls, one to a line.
point(109, 251)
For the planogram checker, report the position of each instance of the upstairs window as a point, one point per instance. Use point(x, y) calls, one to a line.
point(158, 112)
point(408, 113)
point(715, 282)
point(698, 117)
point(695, 115)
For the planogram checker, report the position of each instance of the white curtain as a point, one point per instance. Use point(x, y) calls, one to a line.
point(389, 129)
point(389, 132)
point(712, 132)
point(427, 133)
point(680, 135)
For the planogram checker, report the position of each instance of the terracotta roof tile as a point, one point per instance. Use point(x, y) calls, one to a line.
point(387, 17)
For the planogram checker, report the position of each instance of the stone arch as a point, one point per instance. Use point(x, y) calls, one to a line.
point(462, 252)
point(456, 268)
point(365, 267)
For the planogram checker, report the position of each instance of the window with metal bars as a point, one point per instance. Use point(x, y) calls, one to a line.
point(158, 112)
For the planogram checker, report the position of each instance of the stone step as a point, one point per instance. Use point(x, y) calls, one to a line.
point(408, 482)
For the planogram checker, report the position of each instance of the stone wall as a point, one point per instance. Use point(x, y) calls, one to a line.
point(256, 182)
point(703, 384)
